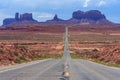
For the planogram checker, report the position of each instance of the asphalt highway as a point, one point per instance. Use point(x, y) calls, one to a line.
point(61, 69)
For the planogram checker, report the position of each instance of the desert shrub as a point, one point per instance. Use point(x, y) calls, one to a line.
point(118, 62)
point(23, 48)
point(42, 43)
point(16, 53)
point(85, 51)
point(1, 51)
point(101, 59)
point(17, 61)
point(32, 57)
point(77, 52)
point(23, 58)
point(20, 59)
point(95, 50)
point(1, 46)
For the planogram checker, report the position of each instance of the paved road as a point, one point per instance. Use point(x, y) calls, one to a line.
point(53, 69)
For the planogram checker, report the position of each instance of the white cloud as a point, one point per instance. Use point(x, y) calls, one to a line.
point(86, 3)
point(43, 16)
point(101, 3)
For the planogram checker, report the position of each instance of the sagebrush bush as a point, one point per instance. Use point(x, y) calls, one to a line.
point(1, 51)
point(17, 61)
point(16, 53)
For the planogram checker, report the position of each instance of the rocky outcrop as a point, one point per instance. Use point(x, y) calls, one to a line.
point(14, 53)
point(19, 18)
point(109, 54)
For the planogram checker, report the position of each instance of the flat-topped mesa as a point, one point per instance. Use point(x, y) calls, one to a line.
point(26, 16)
point(19, 18)
point(92, 16)
point(78, 15)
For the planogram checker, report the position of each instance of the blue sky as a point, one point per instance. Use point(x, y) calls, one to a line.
point(45, 9)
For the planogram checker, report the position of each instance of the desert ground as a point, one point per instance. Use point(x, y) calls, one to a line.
point(96, 43)
point(25, 43)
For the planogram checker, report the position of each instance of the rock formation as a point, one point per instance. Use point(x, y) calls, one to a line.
point(78, 17)
point(8, 21)
point(92, 16)
point(19, 18)
point(55, 19)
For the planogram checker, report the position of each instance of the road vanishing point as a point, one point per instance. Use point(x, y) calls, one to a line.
point(65, 68)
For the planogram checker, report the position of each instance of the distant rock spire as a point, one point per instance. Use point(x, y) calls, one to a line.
point(55, 17)
point(17, 16)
